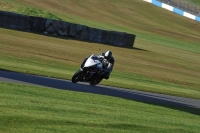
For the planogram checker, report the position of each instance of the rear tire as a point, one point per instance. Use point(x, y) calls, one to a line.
point(75, 77)
point(95, 81)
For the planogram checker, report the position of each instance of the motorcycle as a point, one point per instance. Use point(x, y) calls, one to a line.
point(90, 71)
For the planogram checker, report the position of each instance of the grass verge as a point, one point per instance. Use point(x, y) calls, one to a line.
point(35, 109)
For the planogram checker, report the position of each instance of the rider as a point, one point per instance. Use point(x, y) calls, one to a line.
point(108, 63)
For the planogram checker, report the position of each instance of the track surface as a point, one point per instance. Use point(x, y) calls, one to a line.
point(146, 97)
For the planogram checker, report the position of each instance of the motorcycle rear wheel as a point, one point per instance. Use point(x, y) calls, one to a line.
point(95, 81)
point(75, 77)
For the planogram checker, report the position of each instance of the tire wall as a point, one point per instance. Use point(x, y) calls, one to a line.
point(60, 28)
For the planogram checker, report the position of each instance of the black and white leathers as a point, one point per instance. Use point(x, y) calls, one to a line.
point(108, 62)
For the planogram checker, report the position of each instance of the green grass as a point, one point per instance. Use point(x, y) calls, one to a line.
point(62, 60)
point(34, 109)
point(37, 12)
point(21, 9)
point(168, 62)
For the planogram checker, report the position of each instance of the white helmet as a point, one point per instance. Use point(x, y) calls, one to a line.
point(108, 55)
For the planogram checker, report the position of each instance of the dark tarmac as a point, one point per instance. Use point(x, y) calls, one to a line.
point(178, 103)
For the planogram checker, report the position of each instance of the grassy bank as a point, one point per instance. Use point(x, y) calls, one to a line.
point(144, 70)
point(165, 58)
point(34, 109)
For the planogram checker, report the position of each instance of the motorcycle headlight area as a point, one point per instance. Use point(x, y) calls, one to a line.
point(91, 67)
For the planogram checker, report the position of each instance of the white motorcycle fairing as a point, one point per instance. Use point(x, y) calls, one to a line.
point(90, 71)
point(92, 61)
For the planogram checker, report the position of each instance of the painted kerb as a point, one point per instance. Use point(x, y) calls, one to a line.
point(173, 9)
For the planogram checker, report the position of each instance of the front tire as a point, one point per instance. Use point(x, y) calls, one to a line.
point(76, 76)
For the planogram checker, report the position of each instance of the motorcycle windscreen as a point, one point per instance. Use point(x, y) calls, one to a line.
point(93, 61)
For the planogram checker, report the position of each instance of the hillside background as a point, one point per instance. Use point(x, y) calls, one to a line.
point(165, 58)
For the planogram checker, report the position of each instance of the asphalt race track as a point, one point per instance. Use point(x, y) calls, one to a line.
point(145, 97)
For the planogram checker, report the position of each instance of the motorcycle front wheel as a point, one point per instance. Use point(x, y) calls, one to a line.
point(76, 76)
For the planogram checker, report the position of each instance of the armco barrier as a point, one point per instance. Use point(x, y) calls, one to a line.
point(61, 28)
point(36, 24)
point(13, 21)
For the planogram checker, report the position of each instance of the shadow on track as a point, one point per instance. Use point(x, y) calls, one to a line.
point(177, 103)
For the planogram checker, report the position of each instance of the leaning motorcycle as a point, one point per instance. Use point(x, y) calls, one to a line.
point(90, 71)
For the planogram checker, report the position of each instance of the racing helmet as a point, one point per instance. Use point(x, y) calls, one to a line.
point(108, 55)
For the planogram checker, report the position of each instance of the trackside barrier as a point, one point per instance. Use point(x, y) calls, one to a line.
point(173, 9)
point(54, 27)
